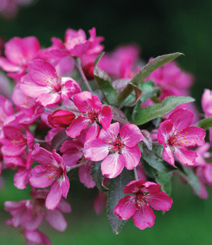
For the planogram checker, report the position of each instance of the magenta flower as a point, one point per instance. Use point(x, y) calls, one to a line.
point(43, 83)
point(29, 214)
point(145, 195)
point(36, 237)
point(19, 52)
point(61, 118)
point(176, 135)
point(51, 172)
point(92, 112)
point(117, 148)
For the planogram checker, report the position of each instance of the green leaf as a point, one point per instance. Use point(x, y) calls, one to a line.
point(114, 194)
point(127, 91)
point(188, 174)
point(98, 177)
point(104, 83)
point(149, 171)
point(206, 123)
point(149, 90)
point(155, 160)
point(164, 180)
point(144, 115)
point(153, 65)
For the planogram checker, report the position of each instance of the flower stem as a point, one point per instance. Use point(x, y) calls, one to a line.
point(135, 173)
point(79, 67)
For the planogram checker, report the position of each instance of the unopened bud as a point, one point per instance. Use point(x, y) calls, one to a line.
point(61, 118)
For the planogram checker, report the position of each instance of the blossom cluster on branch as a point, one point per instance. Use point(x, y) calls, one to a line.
point(127, 128)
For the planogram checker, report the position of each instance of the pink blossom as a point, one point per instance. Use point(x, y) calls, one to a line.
point(19, 52)
point(36, 237)
point(43, 83)
point(73, 153)
point(176, 135)
point(29, 214)
point(51, 172)
point(92, 112)
point(146, 195)
point(121, 62)
point(15, 142)
point(117, 148)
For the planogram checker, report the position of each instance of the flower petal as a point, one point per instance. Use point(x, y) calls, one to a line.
point(125, 208)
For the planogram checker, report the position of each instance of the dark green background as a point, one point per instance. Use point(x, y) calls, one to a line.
point(159, 27)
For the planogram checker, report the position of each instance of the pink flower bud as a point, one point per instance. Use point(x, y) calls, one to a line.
point(88, 70)
point(61, 119)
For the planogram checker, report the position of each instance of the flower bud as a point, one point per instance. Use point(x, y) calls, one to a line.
point(88, 71)
point(61, 118)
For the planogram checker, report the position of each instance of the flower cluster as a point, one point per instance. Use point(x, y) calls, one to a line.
point(72, 107)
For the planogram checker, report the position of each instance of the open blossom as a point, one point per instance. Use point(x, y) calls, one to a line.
point(176, 134)
point(146, 195)
point(43, 83)
point(117, 148)
point(92, 112)
point(19, 52)
point(51, 172)
point(29, 214)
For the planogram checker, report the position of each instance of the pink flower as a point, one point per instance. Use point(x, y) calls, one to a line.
point(15, 142)
point(145, 195)
point(19, 52)
point(51, 172)
point(36, 237)
point(93, 112)
point(176, 135)
point(43, 83)
point(29, 214)
point(117, 148)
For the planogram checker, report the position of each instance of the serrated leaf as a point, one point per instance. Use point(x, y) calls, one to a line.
point(153, 65)
point(155, 160)
point(206, 123)
point(118, 115)
point(188, 174)
point(149, 171)
point(164, 180)
point(98, 177)
point(149, 113)
point(114, 194)
point(105, 86)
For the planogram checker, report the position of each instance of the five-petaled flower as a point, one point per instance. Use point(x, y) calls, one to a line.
point(138, 206)
point(176, 134)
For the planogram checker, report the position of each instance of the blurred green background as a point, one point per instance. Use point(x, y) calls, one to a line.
point(159, 27)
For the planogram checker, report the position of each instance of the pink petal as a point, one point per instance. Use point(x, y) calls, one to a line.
point(144, 217)
point(31, 47)
point(112, 165)
point(8, 66)
point(132, 156)
point(54, 196)
point(92, 132)
point(130, 134)
point(111, 133)
point(48, 98)
point(40, 178)
point(186, 157)
point(21, 178)
point(64, 206)
point(125, 208)
point(56, 219)
point(85, 175)
point(181, 119)
point(134, 186)
point(168, 155)
point(159, 201)
point(100, 202)
point(77, 126)
point(192, 136)
point(83, 101)
point(164, 131)
point(96, 149)
point(105, 117)
point(42, 156)
point(36, 237)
